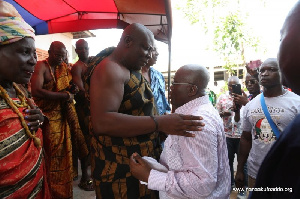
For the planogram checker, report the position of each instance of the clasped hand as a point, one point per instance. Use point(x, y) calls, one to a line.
point(34, 116)
point(139, 168)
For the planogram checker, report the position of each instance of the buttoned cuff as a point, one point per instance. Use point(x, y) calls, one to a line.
point(157, 180)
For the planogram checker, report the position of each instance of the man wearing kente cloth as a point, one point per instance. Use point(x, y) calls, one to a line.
point(78, 70)
point(22, 165)
point(120, 105)
point(50, 85)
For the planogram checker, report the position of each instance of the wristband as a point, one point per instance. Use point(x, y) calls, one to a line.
point(155, 121)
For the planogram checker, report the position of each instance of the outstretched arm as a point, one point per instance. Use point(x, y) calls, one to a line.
point(106, 94)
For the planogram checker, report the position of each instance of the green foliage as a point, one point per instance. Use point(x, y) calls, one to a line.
point(226, 21)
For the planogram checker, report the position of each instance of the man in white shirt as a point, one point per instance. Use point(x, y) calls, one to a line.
point(197, 166)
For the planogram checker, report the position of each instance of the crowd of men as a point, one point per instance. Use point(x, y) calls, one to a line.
point(110, 112)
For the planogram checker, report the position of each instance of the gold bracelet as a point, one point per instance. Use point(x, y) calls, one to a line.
point(155, 121)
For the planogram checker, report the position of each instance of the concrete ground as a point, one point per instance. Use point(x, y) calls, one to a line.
point(79, 193)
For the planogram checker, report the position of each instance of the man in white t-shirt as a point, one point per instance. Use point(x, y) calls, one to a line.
point(258, 137)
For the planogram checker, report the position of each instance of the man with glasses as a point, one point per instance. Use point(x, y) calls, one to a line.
point(50, 86)
point(123, 119)
point(258, 136)
point(252, 86)
point(195, 167)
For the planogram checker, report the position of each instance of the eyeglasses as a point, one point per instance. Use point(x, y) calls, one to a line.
point(252, 81)
point(182, 83)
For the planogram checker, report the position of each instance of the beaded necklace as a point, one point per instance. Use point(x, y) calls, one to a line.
point(84, 63)
point(15, 106)
point(52, 75)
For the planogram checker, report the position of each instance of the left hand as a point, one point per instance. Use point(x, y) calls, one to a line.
point(139, 168)
point(34, 116)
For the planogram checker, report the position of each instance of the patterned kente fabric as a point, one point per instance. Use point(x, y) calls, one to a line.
point(63, 120)
point(22, 166)
point(110, 155)
point(80, 104)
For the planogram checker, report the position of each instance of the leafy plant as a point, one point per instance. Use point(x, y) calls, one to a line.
point(226, 21)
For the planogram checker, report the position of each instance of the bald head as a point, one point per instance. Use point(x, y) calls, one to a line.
point(271, 61)
point(57, 53)
point(57, 45)
point(82, 50)
point(189, 83)
point(81, 42)
point(137, 31)
point(135, 47)
point(289, 50)
point(194, 74)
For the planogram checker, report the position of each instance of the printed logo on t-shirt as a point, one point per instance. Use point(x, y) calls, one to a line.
point(264, 132)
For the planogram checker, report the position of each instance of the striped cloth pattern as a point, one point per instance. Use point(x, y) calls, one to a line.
point(22, 169)
point(13, 29)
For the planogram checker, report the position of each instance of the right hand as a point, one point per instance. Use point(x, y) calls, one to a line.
point(139, 168)
point(240, 99)
point(239, 179)
point(179, 124)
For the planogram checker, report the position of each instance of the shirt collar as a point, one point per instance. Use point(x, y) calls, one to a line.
point(194, 103)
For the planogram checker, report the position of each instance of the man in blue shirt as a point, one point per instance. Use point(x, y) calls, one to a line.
point(157, 82)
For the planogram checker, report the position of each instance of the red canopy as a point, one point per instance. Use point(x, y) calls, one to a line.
point(57, 16)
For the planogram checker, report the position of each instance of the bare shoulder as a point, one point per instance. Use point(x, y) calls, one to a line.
point(77, 68)
point(40, 66)
point(112, 69)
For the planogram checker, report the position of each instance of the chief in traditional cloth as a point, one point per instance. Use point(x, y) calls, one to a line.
point(110, 155)
point(22, 165)
point(63, 125)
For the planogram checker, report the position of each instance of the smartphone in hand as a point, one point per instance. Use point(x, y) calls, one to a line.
point(236, 88)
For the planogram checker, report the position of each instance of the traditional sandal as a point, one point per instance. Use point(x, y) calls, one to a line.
point(86, 185)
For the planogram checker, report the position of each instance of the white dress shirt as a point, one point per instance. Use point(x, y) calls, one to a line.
point(197, 167)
